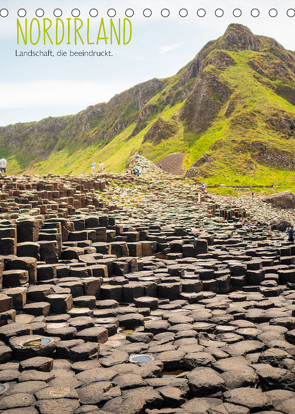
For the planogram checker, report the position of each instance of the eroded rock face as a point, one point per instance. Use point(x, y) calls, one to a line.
point(285, 200)
point(239, 37)
point(159, 131)
point(276, 159)
point(205, 101)
point(160, 304)
point(264, 154)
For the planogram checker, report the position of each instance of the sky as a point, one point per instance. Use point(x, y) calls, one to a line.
point(33, 88)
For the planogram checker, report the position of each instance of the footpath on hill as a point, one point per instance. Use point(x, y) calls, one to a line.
point(142, 294)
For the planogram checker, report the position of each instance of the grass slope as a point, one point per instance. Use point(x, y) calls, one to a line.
point(254, 104)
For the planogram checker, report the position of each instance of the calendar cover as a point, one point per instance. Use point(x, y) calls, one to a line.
point(147, 193)
point(204, 89)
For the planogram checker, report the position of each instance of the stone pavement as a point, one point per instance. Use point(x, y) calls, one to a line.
point(127, 295)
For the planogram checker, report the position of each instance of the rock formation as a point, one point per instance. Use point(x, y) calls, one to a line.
point(142, 295)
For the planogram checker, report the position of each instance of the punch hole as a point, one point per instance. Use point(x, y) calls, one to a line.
point(57, 12)
point(255, 13)
point(147, 12)
point(273, 13)
point(201, 12)
point(93, 12)
point(183, 13)
point(165, 12)
point(22, 12)
point(4, 13)
point(111, 12)
point(39, 12)
point(219, 12)
point(237, 13)
point(75, 12)
point(129, 12)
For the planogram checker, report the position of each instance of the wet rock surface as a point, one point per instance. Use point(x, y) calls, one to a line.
point(126, 294)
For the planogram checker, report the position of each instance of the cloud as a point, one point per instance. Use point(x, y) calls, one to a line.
point(169, 48)
point(57, 93)
point(33, 101)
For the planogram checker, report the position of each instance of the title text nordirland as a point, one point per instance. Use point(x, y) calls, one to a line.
point(73, 31)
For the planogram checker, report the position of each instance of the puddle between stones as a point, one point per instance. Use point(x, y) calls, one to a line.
point(140, 358)
point(126, 331)
point(170, 374)
point(151, 318)
point(36, 342)
point(2, 388)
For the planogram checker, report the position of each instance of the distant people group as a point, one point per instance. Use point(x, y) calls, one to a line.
point(246, 224)
point(100, 166)
point(3, 166)
point(134, 171)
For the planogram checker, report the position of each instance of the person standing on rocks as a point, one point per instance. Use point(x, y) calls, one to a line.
point(3, 166)
point(100, 167)
point(93, 167)
point(290, 230)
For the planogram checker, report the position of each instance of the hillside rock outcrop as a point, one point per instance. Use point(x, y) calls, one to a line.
point(284, 199)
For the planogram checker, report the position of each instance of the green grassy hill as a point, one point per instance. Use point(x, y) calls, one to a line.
point(230, 112)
